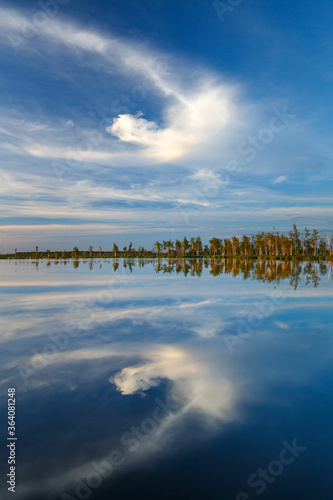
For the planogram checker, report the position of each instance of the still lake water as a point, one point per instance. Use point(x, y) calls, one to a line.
point(137, 384)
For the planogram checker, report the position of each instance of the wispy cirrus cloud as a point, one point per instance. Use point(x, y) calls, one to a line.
point(194, 109)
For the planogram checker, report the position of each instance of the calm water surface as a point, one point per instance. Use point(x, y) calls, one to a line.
point(194, 382)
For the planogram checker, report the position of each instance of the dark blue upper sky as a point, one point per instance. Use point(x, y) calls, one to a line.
point(129, 120)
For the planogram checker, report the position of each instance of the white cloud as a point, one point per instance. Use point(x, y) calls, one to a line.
point(190, 124)
point(282, 325)
point(280, 179)
point(194, 381)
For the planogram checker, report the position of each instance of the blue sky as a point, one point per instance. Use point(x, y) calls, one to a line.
point(135, 121)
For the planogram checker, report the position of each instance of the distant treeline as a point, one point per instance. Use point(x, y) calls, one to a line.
point(294, 245)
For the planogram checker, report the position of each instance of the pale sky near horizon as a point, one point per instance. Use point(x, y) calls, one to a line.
point(135, 121)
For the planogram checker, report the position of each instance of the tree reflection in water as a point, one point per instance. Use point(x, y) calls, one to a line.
point(265, 271)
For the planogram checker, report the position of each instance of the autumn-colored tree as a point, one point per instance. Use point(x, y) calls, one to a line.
point(185, 246)
point(235, 245)
point(157, 246)
point(198, 245)
point(178, 246)
point(294, 237)
point(192, 245)
point(314, 240)
point(75, 253)
point(215, 244)
point(245, 245)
